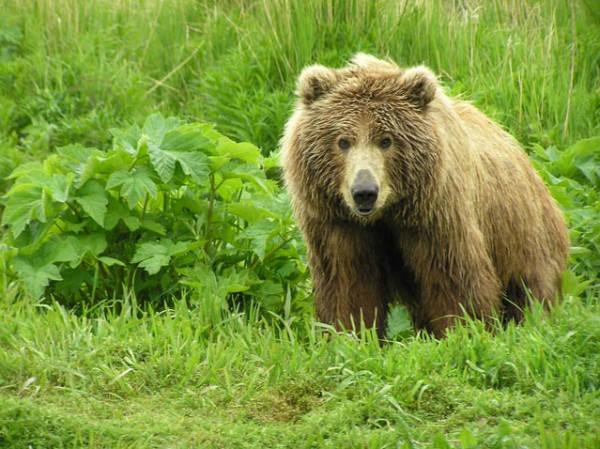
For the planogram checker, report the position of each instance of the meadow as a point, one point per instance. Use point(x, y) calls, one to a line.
point(153, 285)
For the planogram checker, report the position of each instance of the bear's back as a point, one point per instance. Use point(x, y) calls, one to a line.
point(514, 205)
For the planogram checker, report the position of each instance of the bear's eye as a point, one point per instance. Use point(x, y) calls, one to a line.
point(386, 142)
point(344, 144)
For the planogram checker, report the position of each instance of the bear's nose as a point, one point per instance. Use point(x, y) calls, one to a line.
point(364, 190)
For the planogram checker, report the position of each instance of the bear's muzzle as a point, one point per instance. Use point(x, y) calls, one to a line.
point(364, 191)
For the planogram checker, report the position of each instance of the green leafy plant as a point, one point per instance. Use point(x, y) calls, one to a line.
point(171, 206)
point(573, 176)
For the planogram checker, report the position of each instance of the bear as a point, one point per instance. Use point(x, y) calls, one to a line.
point(404, 193)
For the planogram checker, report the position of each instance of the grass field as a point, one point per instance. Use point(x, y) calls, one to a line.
point(124, 379)
point(233, 357)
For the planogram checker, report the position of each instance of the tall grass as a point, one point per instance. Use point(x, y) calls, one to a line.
point(533, 65)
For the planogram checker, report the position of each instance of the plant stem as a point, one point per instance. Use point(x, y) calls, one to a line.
point(75, 211)
point(144, 206)
point(209, 212)
point(270, 253)
point(95, 284)
point(572, 67)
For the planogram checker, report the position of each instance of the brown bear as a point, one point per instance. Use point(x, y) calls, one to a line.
point(402, 191)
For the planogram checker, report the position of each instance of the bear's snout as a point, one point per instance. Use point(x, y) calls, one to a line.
point(364, 191)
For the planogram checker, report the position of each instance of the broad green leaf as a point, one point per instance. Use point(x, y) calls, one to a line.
point(35, 277)
point(87, 170)
point(76, 152)
point(539, 152)
point(58, 186)
point(247, 173)
point(583, 147)
point(47, 175)
point(116, 211)
point(93, 244)
point(179, 248)
point(194, 164)
point(187, 138)
point(82, 162)
point(218, 162)
point(278, 205)
point(562, 196)
point(272, 161)
point(271, 294)
point(127, 138)
point(577, 157)
point(107, 187)
point(71, 248)
point(59, 249)
point(574, 285)
point(210, 132)
point(110, 261)
point(33, 236)
point(248, 211)
point(590, 168)
point(580, 251)
point(201, 278)
point(399, 324)
point(289, 267)
point(169, 144)
point(259, 233)
point(26, 202)
point(102, 164)
point(54, 165)
point(190, 202)
point(73, 280)
point(93, 200)
point(233, 282)
point(552, 153)
point(156, 126)
point(152, 256)
point(244, 151)
point(30, 171)
point(132, 223)
point(135, 185)
point(153, 226)
point(230, 188)
point(163, 163)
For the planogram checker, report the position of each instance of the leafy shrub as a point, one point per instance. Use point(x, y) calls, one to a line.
point(170, 207)
point(573, 176)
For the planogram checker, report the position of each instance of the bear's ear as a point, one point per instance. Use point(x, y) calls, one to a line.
point(420, 86)
point(314, 82)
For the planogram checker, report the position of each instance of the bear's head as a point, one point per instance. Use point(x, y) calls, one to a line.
point(361, 141)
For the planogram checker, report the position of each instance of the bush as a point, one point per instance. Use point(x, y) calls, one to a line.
point(171, 207)
point(573, 176)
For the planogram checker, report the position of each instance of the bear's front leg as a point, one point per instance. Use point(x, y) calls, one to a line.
point(449, 293)
point(455, 276)
point(348, 266)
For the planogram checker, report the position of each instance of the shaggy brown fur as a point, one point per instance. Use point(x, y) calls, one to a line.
point(462, 222)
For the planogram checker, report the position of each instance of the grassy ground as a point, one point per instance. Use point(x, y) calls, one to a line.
point(120, 375)
point(130, 379)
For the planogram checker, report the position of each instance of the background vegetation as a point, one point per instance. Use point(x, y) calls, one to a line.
point(153, 286)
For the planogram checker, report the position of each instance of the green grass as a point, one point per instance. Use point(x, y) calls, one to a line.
point(119, 377)
point(118, 374)
point(74, 69)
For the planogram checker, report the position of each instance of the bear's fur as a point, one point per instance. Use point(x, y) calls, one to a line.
point(461, 223)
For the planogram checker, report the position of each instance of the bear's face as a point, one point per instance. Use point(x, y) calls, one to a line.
point(363, 134)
